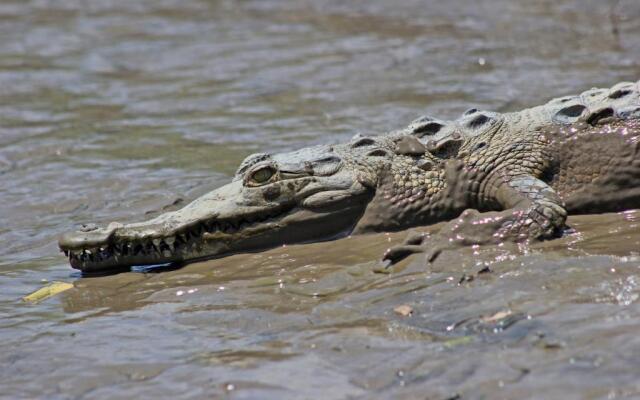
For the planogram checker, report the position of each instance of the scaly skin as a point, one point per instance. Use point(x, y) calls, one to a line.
point(534, 183)
point(517, 175)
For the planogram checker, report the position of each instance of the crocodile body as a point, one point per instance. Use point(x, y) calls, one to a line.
point(512, 176)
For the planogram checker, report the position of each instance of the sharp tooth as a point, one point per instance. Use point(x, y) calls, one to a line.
point(166, 253)
point(156, 242)
point(87, 251)
point(170, 240)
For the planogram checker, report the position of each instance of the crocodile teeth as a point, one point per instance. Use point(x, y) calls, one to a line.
point(212, 226)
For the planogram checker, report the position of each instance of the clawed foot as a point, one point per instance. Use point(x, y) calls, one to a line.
point(475, 228)
point(417, 242)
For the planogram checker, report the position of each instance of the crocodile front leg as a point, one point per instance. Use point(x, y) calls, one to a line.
point(531, 211)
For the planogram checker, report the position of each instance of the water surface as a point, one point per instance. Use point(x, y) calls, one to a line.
point(114, 110)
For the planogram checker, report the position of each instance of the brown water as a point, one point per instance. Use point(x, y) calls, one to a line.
point(113, 109)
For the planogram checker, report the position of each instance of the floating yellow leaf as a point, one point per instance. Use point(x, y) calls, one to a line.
point(50, 290)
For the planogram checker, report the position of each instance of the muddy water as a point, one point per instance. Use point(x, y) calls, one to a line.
point(113, 110)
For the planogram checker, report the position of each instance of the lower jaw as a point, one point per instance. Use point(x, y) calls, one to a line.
point(321, 228)
point(111, 265)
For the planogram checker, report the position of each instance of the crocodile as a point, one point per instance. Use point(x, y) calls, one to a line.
point(494, 176)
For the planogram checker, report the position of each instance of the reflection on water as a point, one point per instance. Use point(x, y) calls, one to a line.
point(111, 110)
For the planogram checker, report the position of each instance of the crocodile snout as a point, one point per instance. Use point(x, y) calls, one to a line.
point(84, 238)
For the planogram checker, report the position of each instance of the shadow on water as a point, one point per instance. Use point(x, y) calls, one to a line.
point(115, 110)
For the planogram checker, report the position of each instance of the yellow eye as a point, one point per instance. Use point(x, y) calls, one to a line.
point(263, 175)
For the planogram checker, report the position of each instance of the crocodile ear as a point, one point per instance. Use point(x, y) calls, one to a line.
point(446, 148)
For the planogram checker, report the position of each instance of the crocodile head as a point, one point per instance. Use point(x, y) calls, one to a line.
point(314, 194)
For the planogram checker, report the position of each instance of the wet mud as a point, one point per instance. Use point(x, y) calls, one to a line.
point(119, 110)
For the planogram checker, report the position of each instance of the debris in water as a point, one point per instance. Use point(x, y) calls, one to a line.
point(459, 341)
point(497, 316)
point(45, 292)
point(405, 310)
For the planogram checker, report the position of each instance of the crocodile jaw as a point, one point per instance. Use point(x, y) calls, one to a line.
point(224, 221)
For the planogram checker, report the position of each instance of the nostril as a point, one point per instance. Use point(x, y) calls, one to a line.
point(88, 227)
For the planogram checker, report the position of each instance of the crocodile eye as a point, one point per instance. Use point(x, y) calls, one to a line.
point(262, 175)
